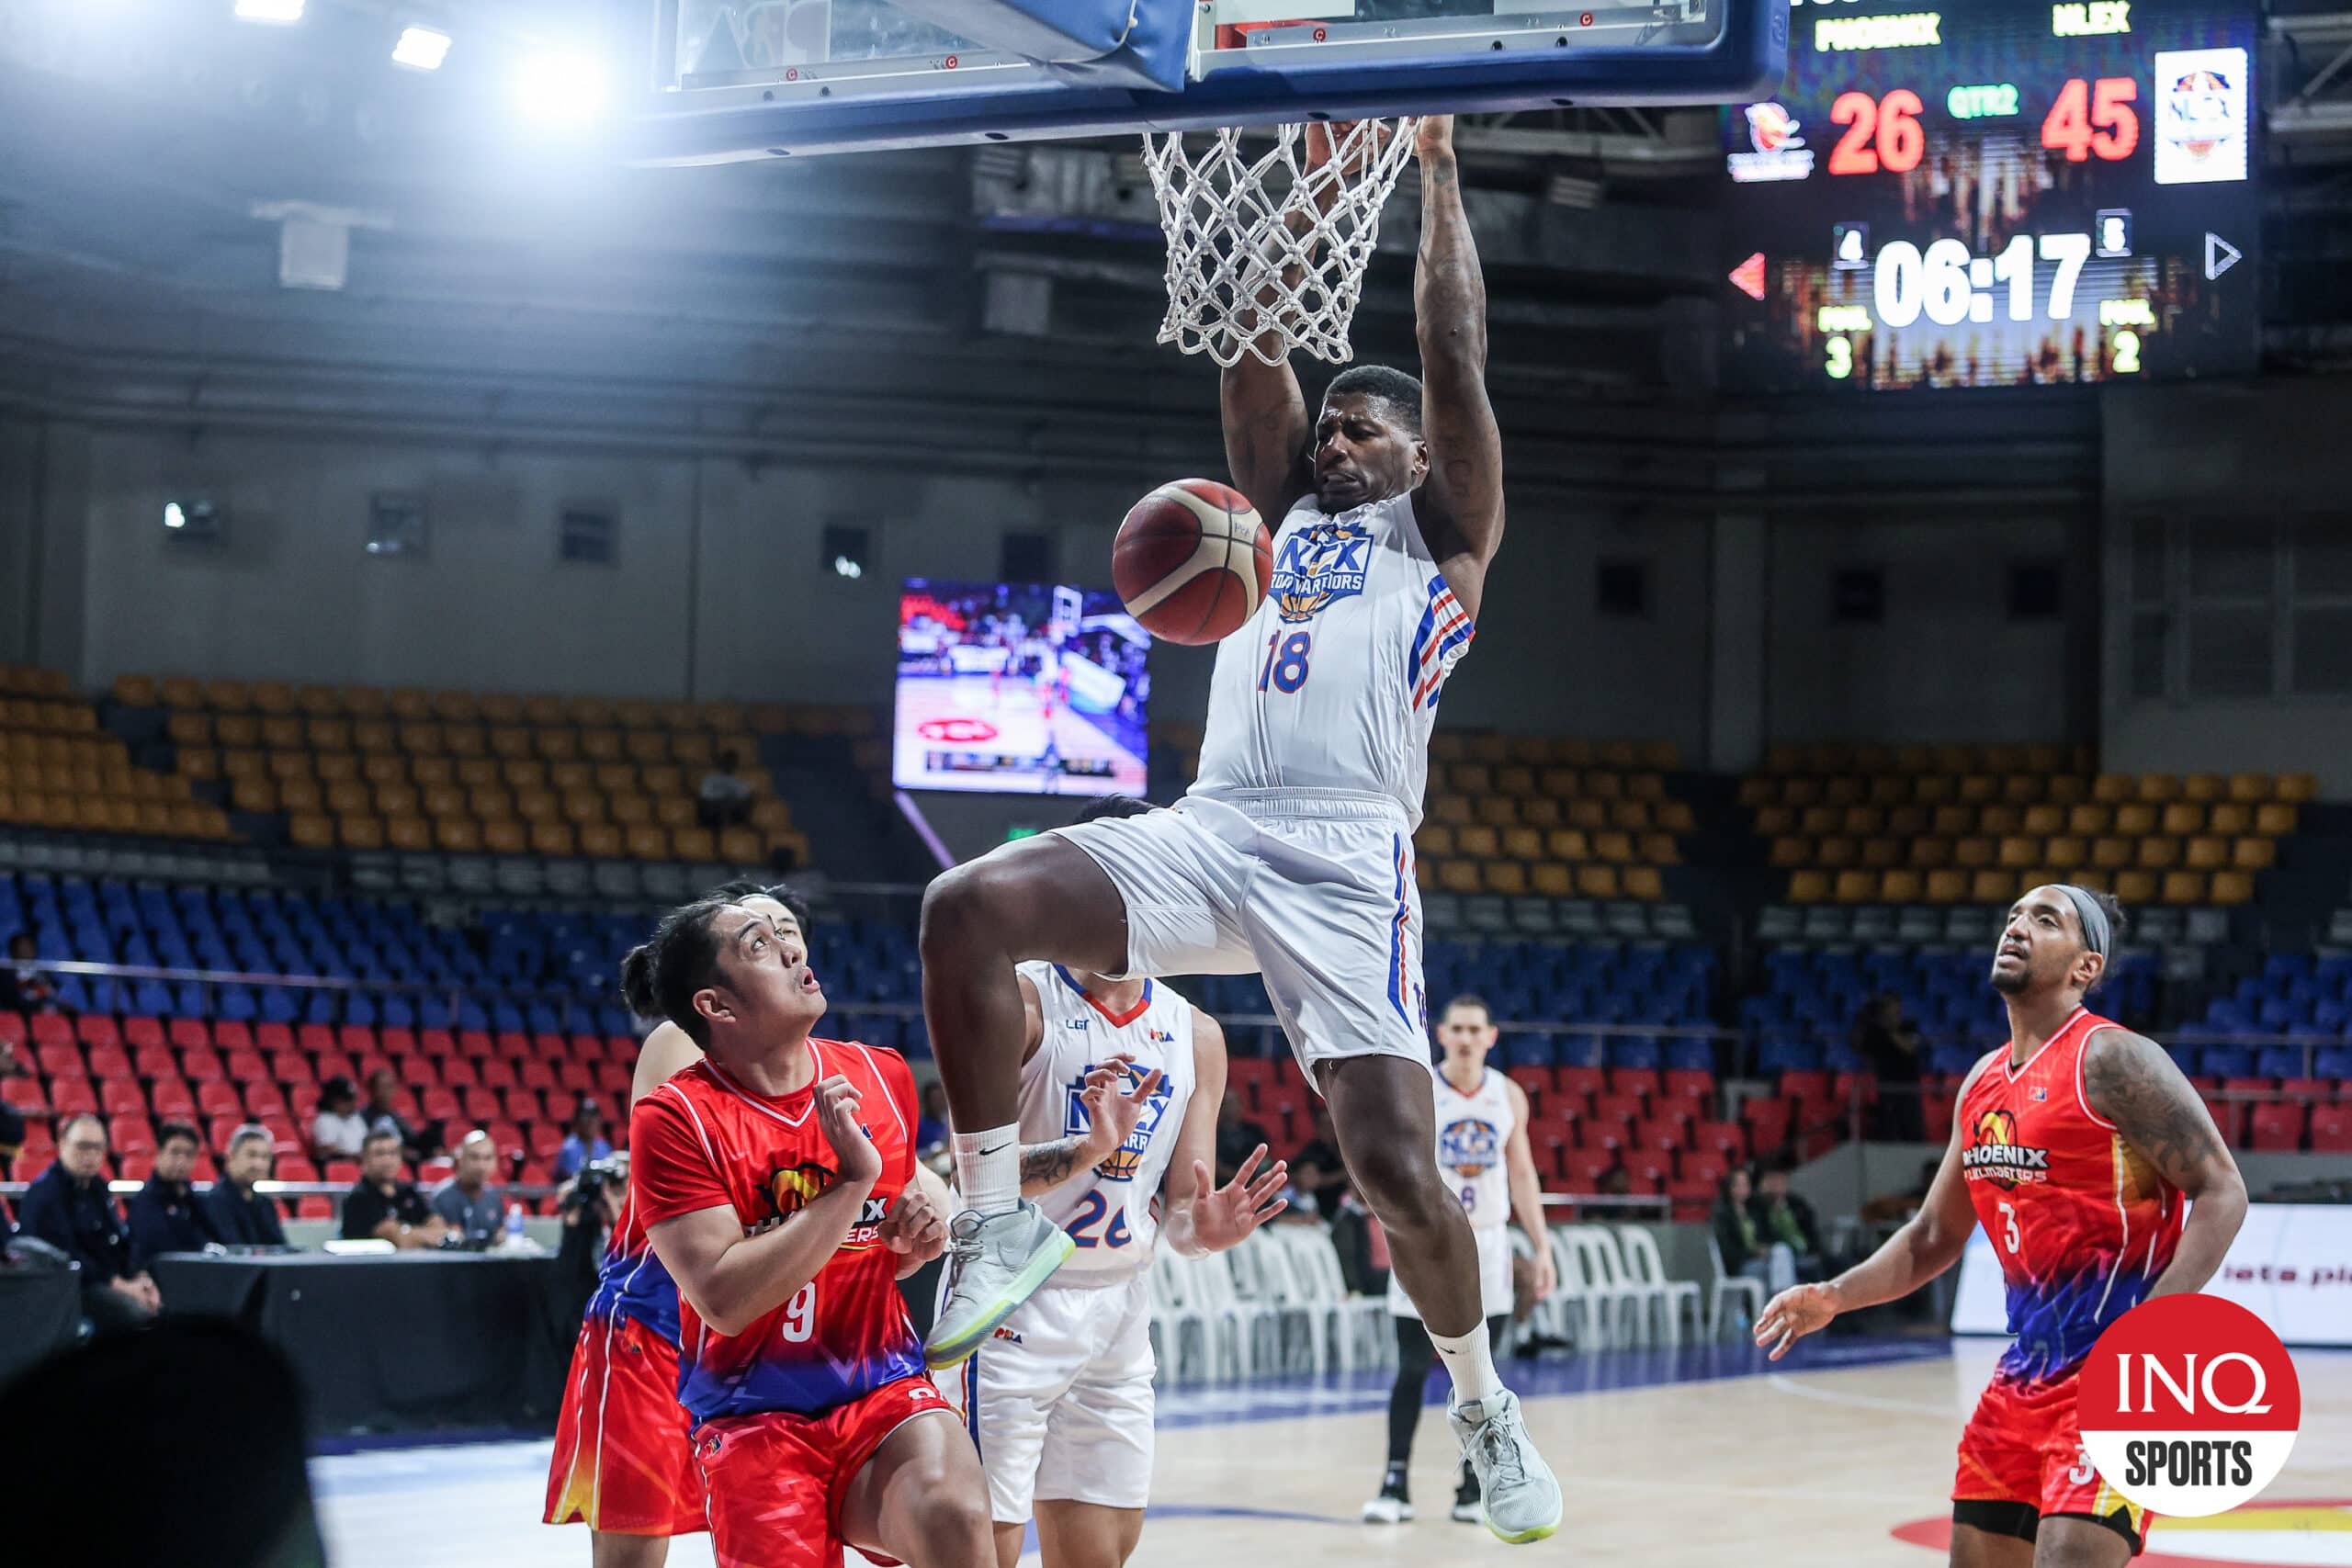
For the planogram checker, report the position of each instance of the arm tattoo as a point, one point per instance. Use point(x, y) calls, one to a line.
point(1050, 1163)
point(2135, 1086)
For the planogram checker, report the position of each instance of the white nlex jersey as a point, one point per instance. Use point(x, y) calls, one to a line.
point(1106, 1209)
point(1333, 684)
point(1472, 1131)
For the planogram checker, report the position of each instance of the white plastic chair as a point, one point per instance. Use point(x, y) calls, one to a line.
point(1241, 1326)
point(1186, 1344)
point(1620, 1314)
point(1262, 1274)
point(1730, 1284)
point(1576, 1310)
point(1647, 1268)
point(1333, 1318)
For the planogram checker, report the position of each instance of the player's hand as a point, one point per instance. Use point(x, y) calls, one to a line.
point(1222, 1216)
point(1111, 1112)
point(1547, 1277)
point(1434, 138)
point(1329, 140)
point(854, 1153)
point(1793, 1313)
point(915, 1229)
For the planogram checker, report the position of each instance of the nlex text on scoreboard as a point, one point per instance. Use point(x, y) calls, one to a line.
point(1988, 193)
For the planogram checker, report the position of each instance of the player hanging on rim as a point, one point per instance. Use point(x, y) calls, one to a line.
point(1059, 1400)
point(778, 1186)
point(2076, 1146)
point(1292, 855)
point(624, 1461)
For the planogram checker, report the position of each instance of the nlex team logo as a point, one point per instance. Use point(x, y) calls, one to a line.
point(1994, 1155)
point(1320, 564)
point(1127, 1158)
point(1780, 153)
point(2201, 116)
point(1468, 1146)
point(2188, 1405)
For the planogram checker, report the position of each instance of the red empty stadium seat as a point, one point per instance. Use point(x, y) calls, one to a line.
point(12, 1027)
point(475, 1044)
point(622, 1048)
point(1804, 1085)
point(171, 1098)
point(1727, 1140)
point(134, 1165)
point(1583, 1168)
point(218, 1131)
point(315, 1206)
point(435, 1171)
point(26, 1095)
point(302, 1102)
point(2278, 1127)
point(1610, 1135)
point(294, 1167)
point(546, 1050)
point(1680, 1111)
point(232, 1035)
point(109, 1062)
point(1657, 1136)
point(1651, 1164)
point(271, 1037)
point(1643, 1081)
point(2230, 1117)
point(244, 1066)
point(201, 1065)
point(98, 1029)
point(481, 1105)
point(1768, 1123)
point(2311, 1091)
point(1848, 1088)
point(290, 1067)
point(522, 1105)
point(459, 1073)
point(1616, 1108)
point(317, 1037)
point(1689, 1083)
point(263, 1099)
point(1535, 1082)
point(188, 1032)
point(142, 1032)
point(220, 1098)
point(506, 1135)
point(342, 1172)
point(537, 1074)
point(438, 1044)
point(204, 1169)
point(1585, 1082)
point(577, 1078)
point(498, 1072)
point(121, 1097)
point(52, 1029)
point(356, 1038)
point(2332, 1129)
point(585, 1048)
point(547, 1140)
point(438, 1105)
point(1702, 1165)
point(155, 1061)
point(58, 1059)
point(559, 1104)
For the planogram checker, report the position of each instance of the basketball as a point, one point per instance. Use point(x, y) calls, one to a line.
point(1192, 561)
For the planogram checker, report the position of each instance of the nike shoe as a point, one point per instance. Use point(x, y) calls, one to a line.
point(1391, 1507)
point(1522, 1495)
point(996, 1262)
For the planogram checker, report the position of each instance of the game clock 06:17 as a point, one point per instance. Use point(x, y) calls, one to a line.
point(2013, 193)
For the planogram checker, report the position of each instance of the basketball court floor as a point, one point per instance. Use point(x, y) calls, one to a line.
point(1841, 1455)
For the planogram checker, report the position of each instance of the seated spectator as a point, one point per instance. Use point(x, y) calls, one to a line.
point(70, 1208)
point(385, 1207)
point(23, 986)
point(165, 1215)
point(467, 1203)
point(1236, 1137)
point(585, 1142)
point(722, 799)
point(1318, 1174)
point(420, 1142)
point(241, 1217)
point(12, 1124)
point(1784, 1216)
point(931, 1127)
point(340, 1129)
point(1747, 1250)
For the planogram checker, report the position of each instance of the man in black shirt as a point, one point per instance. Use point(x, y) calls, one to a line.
point(70, 1208)
point(165, 1215)
point(241, 1217)
point(385, 1207)
point(1237, 1136)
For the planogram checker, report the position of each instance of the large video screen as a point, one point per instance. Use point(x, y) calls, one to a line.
point(1033, 689)
point(2008, 193)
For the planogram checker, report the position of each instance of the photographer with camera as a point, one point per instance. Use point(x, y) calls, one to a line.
point(591, 1208)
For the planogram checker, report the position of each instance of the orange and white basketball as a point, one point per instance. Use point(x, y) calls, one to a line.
point(1192, 561)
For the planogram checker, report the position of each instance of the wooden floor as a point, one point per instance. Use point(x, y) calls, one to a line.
point(1701, 1458)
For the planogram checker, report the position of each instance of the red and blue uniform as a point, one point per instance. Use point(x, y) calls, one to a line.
point(2083, 1225)
point(623, 1456)
point(787, 1411)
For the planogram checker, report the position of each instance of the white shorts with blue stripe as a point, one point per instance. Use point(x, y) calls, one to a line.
point(1314, 892)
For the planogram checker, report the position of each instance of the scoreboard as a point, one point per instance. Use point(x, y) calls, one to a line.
point(1985, 193)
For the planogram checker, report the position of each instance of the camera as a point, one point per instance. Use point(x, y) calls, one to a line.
point(596, 1177)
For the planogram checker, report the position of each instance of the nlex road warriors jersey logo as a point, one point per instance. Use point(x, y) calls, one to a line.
point(1994, 1154)
point(1127, 1158)
point(1321, 562)
point(1469, 1147)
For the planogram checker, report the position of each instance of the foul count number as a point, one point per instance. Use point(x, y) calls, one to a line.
point(2094, 118)
point(1884, 133)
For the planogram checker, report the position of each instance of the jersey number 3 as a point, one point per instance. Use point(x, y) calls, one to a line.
point(1287, 661)
point(1082, 1225)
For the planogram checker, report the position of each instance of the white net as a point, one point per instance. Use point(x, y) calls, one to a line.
point(1267, 249)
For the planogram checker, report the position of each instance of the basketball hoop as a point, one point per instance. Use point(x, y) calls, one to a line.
point(1266, 252)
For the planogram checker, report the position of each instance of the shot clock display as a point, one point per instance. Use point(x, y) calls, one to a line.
point(2003, 193)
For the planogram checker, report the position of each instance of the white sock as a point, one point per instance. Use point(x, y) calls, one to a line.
point(987, 1168)
point(1470, 1358)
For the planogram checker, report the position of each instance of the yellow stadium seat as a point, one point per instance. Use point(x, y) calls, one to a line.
point(2157, 788)
point(1801, 791)
point(492, 805)
point(2182, 818)
point(2114, 854)
point(2254, 854)
point(538, 806)
point(1598, 882)
point(408, 705)
point(2231, 887)
point(238, 729)
point(1883, 854)
point(1908, 821)
point(1855, 887)
point(2045, 821)
point(376, 735)
point(665, 778)
point(1433, 840)
point(319, 702)
point(423, 738)
point(1808, 886)
point(1523, 844)
point(1458, 875)
point(2184, 887)
point(411, 834)
point(327, 734)
point(1552, 879)
point(2136, 820)
point(1568, 844)
point(300, 794)
point(2159, 853)
point(630, 810)
point(1836, 854)
point(1844, 791)
point(601, 840)
point(506, 837)
point(178, 692)
point(349, 798)
point(1631, 815)
point(522, 774)
point(228, 696)
point(1775, 822)
point(478, 772)
point(742, 846)
point(544, 712)
point(1614, 847)
point(254, 795)
point(1642, 882)
point(310, 830)
point(2204, 787)
point(1928, 852)
point(465, 739)
point(556, 839)
point(2089, 820)
point(1956, 821)
point(384, 769)
point(188, 728)
point(1505, 877)
point(1790, 853)
point(2066, 852)
point(601, 745)
point(649, 841)
point(2229, 818)
point(2206, 852)
point(394, 800)
point(1478, 841)
point(282, 733)
point(2252, 789)
point(443, 800)
point(1497, 810)
point(284, 765)
point(1890, 789)
point(510, 741)
point(557, 745)
point(2274, 819)
point(365, 701)
point(1973, 852)
point(1783, 758)
point(1451, 809)
point(1592, 816)
point(1658, 848)
point(1934, 789)
point(1471, 778)
point(676, 811)
point(1991, 886)
point(2114, 789)
point(1819, 821)
point(2000, 820)
point(2017, 853)
point(335, 767)
point(2021, 789)
point(1445, 746)
point(1901, 885)
point(1540, 811)
point(1978, 789)
point(360, 832)
point(198, 762)
point(134, 691)
point(2066, 789)
point(1947, 887)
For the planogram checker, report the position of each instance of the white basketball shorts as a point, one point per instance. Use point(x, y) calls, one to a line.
point(1059, 1401)
point(1313, 892)
point(1496, 1295)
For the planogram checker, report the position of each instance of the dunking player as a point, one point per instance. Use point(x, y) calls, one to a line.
point(1292, 856)
point(1482, 1153)
point(2076, 1146)
point(1060, 1400)
point(777, 1184)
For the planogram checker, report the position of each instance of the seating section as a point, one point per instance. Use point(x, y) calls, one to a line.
point(59, 770)
point(360, 769)
point(1967, 824)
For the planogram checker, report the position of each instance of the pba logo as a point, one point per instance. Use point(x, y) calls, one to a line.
point(1319, 565)
point(1468, 1148)
point(1994, 1155)
point(1127, 1158)
point(2188, 1405)
point(2201, 116)
point(1779, 152)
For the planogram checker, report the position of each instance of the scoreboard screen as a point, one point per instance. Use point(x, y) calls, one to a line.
point(1992, 193)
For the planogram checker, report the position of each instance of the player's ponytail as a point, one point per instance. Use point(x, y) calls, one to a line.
point(637, 983)
point(660, 978)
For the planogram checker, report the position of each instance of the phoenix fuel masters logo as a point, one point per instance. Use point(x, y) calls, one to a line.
point(1994, 1155)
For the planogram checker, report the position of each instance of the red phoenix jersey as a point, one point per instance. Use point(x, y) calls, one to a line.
point(702, 1140)
point(2082, 1224)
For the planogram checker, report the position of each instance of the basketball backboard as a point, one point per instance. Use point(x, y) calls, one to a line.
point(739, 79)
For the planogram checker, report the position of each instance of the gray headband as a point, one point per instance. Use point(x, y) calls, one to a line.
point(2095, 932)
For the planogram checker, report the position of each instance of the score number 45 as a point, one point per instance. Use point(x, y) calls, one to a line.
point(2089, 118)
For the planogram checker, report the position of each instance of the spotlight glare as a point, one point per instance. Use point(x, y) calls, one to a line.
point(280, 11)
point(421, 49)
point(173, 516)
point(561, 90)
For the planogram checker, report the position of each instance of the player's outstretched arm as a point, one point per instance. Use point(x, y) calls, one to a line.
point(733, 1280)
point(1527, 1194)
point(1265, 434)
point(667, 1052)
point(1201, 1216)
point(1111, 1112)
point(1464, 490)
point(2130, 1081)
point(1929, 1242)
